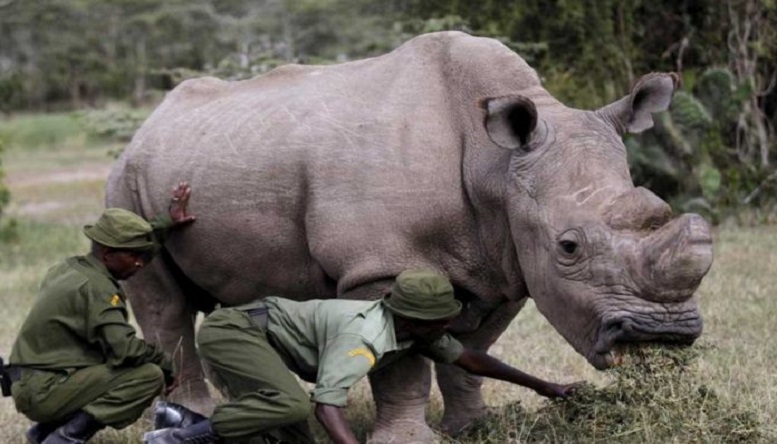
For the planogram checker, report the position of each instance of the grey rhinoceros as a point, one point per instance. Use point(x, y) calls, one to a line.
point(327, 181)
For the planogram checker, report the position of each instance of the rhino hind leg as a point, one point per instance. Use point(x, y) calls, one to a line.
point(462, 397)
point(401, 394)
point(165, 304)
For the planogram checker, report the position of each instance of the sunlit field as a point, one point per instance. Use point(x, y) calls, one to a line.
point(56, 182)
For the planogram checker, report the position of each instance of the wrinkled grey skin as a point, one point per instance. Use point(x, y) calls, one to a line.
point(327, 181)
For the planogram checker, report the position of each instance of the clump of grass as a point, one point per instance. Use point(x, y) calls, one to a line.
point(656, 396)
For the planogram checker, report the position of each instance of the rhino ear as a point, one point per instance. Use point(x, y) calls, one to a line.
point(510, 120)
point(652, 93)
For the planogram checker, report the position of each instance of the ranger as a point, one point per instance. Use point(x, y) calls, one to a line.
point(332, 343)
point(77, 365)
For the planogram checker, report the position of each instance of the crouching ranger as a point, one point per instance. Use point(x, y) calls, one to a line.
point(333, 343)
point(77, 365)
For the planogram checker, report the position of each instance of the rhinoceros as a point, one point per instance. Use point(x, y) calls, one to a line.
point(328, 181)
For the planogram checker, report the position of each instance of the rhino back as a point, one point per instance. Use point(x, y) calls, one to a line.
point(311, 175)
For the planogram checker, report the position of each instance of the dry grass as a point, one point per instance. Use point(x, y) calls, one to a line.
point(55, 190)
point(657, 396)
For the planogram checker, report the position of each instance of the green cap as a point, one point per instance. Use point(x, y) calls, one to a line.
point(120, 228)
point(422, 294)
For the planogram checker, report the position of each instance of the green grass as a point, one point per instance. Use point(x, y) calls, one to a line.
point(41, 131)
point(57, 187)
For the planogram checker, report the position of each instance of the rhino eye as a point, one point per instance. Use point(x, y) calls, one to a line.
point(568, 246)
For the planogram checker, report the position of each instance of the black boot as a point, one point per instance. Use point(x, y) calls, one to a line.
point(77, 430)
point(169, 414)
point(198, 433)
point(37, 433)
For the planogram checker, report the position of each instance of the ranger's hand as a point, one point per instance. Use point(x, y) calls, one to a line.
point(178, 203)
point(551, 390)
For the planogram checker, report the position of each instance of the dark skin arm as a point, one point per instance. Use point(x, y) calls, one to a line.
point(178, 214)
point(482, 364)
point(332, 419)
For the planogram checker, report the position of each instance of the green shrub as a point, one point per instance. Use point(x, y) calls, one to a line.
point(690, 158)
point(112, 124)
point(7, 227)
point(11, 91)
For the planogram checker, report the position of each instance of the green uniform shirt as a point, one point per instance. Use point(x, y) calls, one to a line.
point(335, 343)
point(80, 319)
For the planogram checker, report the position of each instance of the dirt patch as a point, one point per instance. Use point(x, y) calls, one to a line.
point(67, 194)
point(38, 208)
point(81, 173)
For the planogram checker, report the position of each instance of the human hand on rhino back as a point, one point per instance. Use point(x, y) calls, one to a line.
point(178, 204)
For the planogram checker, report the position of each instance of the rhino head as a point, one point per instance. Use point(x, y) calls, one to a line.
point(605, 261)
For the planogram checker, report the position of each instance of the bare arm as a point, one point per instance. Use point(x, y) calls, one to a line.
point(481, 364)
point(332, 419)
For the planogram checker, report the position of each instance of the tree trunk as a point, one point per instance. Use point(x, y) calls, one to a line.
point(288, 36)
point(141, 62)
point(746, 21)
point(761, 133)
point(75, 89)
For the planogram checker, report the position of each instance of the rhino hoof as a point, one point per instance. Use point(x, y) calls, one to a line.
point(403, 432)
point(195, 396)
point(453, 425)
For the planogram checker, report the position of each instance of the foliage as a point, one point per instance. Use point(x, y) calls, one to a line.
point(7, 227)
point(690, 157)
point(657, 396)
point(10, 91)
point(112, 124)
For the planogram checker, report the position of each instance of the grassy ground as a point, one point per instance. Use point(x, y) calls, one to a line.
point(56, 181)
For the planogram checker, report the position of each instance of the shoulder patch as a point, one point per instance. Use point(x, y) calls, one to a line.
point(115, 300)
point(363, 352)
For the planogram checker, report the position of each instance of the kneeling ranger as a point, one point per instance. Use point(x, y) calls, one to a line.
point(333, 343)
point(77, 365)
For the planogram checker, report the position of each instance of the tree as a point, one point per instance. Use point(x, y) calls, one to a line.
point(6, 227)
point(752, 42)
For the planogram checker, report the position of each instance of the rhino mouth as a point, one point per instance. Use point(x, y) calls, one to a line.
point(616, 335)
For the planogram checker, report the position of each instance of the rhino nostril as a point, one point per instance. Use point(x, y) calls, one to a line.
point(614, 327)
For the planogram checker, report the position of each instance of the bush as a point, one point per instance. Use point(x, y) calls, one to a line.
point(690, 159)
point(7, 227)
point(11, 92)
point(112, 124)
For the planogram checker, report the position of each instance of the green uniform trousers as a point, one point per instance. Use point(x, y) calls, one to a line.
point(265, 399)
point(114, 396)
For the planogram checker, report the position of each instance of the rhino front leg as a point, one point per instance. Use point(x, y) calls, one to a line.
point(460, 390)
point(401, 394)
point(400, 390)
point(166, 317)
